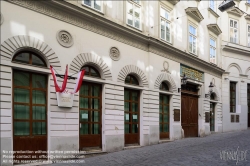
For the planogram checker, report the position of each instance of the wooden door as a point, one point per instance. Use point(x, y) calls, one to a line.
point(90, 116)
point(248, 103)
point(164, 116)
point(131, 116)
point(29, 115)
point(189, 115)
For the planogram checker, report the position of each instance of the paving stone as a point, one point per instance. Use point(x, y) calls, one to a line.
point(189, 151)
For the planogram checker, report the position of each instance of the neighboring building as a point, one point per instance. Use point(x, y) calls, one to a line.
point(135, 54)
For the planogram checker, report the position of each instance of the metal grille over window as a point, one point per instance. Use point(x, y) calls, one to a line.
point(165, 25)
point(212, 51)
point(233, 31)
point(134, 14)
point(192, 39)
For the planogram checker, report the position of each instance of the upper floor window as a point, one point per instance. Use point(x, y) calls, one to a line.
point(232, 96)
point(29, 58)
point(192, 39)
point(212, 51)
point(212, 4)
point(248, 1)
point(130, 79)
point(134, 14)
point(95, 4)
point(248, 34)
point(165, 25)
point(91, 71)
point(233, 31)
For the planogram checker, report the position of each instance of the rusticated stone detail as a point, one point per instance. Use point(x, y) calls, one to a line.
point(87, 58)
point(10, 46)
point(132, 69)
point(168, 78)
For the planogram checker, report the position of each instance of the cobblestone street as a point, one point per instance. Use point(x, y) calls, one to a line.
point(190, 151)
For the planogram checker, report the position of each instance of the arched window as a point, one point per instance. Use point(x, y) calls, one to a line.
point(29, 58)
point(164, 86)
point(130, 79)
point(91, 71)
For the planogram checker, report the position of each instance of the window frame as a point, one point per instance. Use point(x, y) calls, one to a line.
point(92, 6)
point(161, 18)
point(89, 75)
point(138, 5)
point(130, 83)
point(30, 58)
point(194, 36)
point(215, 49)
point(237, 39)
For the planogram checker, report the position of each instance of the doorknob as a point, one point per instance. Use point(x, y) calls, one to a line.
point(80, 125)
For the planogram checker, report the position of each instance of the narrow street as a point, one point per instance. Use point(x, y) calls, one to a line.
point(215, 149)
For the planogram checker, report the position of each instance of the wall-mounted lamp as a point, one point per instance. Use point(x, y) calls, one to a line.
point(184, 80)
point(211, 86)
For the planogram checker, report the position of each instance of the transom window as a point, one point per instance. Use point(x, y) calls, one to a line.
point(248, 34)
point(234, 31)
point(232, 96)
point(192, 39)
point(165, 25)
point(95, 4)
point(134, 14)
point(164, 86)
point(130, 79)
point(29, 58)
point(212, 51)
point(91, 71)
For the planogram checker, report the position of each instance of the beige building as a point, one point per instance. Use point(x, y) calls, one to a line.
point(135, 54)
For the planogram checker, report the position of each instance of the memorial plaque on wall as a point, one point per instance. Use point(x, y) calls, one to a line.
point(207, 117)
point(238, 118)
point(176, 115)
point(232, 118)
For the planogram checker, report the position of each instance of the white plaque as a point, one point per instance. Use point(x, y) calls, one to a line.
point(64, 99)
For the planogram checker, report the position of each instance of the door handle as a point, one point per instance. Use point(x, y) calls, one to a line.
point(80, 125)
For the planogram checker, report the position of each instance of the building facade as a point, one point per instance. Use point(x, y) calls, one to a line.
point(135, 54)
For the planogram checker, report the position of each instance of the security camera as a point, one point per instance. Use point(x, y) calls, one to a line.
point(226, 4)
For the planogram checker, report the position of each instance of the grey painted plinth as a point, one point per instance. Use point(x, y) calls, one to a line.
point(6, 145)
point(114, 142)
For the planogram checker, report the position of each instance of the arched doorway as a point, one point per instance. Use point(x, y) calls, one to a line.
point(90, 111)
point(29, 107)
point(131, 111)
point(164, 112)
point(212, 113)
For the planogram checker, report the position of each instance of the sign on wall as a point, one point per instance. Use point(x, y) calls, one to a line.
point(192, 73)
point(176, 115)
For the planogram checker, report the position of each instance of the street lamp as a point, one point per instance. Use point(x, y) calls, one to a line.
point(211, 87)
point(226, 4)
point(184, 80)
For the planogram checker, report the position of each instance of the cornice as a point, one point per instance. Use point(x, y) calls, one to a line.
point(194, 13)
point(227, 46)
point(214, 28)
point(79, 17)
